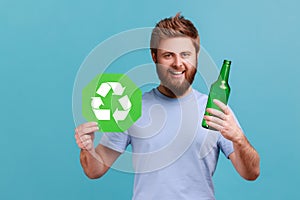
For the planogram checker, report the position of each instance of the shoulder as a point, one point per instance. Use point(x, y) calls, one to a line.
point(149, 94)
point(200, 96)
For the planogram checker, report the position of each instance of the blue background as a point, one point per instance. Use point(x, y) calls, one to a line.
point(43, 44)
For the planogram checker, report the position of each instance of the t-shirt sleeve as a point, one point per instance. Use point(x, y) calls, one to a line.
point(116, 141)
point(225, 145)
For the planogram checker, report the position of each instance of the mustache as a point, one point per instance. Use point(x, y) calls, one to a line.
point(177, 88)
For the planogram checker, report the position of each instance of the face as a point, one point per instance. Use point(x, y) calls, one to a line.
point(176, 65)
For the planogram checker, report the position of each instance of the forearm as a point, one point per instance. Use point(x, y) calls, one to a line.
point(244, 158)
point(247, 159)
point(92, 164)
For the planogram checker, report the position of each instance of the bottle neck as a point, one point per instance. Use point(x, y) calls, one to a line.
point(224, 73)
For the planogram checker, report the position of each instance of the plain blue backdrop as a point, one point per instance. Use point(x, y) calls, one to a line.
point(43, 43)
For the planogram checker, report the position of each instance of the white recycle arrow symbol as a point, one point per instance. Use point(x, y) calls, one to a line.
point(117, 88)
point(101, 114)
point(96, 102)
point(125, 102)
point(105, 87)
point(120, 115)
point(104, 114)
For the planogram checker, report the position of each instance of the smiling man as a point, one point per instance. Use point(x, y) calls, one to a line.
point(176, 65)
point(173, 156)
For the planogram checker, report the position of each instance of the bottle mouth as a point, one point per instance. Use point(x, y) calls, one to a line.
point(228, 62)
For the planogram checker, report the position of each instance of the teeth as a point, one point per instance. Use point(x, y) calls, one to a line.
point(176, 73)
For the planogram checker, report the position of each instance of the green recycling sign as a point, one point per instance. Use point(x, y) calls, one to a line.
point(112, 100)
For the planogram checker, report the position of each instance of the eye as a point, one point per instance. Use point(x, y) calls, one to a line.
point(185, 54)
point(167, 55)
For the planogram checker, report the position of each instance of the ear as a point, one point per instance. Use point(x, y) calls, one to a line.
point(154, 57)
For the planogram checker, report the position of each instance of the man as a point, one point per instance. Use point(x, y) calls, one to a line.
point(173, 156)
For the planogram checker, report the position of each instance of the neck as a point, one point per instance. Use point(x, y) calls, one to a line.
point(166, 91)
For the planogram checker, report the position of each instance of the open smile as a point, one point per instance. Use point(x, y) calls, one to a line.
point(176, 73)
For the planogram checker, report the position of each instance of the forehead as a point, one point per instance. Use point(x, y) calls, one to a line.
point(176, 44)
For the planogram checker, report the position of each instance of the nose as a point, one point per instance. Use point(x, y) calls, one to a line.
point(177, 61)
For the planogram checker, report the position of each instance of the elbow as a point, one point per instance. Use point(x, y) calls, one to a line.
point(94, 175)
point(253, 176)
point(92, 169)
point(254, 171)
point(95, 172)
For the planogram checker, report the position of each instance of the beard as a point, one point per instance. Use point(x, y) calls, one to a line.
point(177, 87)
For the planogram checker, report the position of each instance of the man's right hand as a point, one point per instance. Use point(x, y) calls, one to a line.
point(94, 161)
point(85, 134)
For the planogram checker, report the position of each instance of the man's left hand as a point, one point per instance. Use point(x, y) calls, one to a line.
point(224, 122)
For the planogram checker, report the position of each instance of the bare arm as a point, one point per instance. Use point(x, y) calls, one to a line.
point(244, 158)
point(94, 161)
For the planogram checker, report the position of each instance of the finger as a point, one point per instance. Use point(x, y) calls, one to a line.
point(79, 143)
point(81, 146)
point(85, 138)
point(88, 145)
point(76, 136)
point(217, 113)
point(88, 130)
point(221, 105)
point(90, 124)
point(84, 144)
point(214, 119)
point(215, 125)
point(86, 125)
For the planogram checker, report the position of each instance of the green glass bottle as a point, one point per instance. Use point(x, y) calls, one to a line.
point(219, 90)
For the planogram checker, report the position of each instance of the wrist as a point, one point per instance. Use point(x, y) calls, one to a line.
point(240, 139)
point(91, 153)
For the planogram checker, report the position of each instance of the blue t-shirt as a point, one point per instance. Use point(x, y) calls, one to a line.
point(173, 156)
